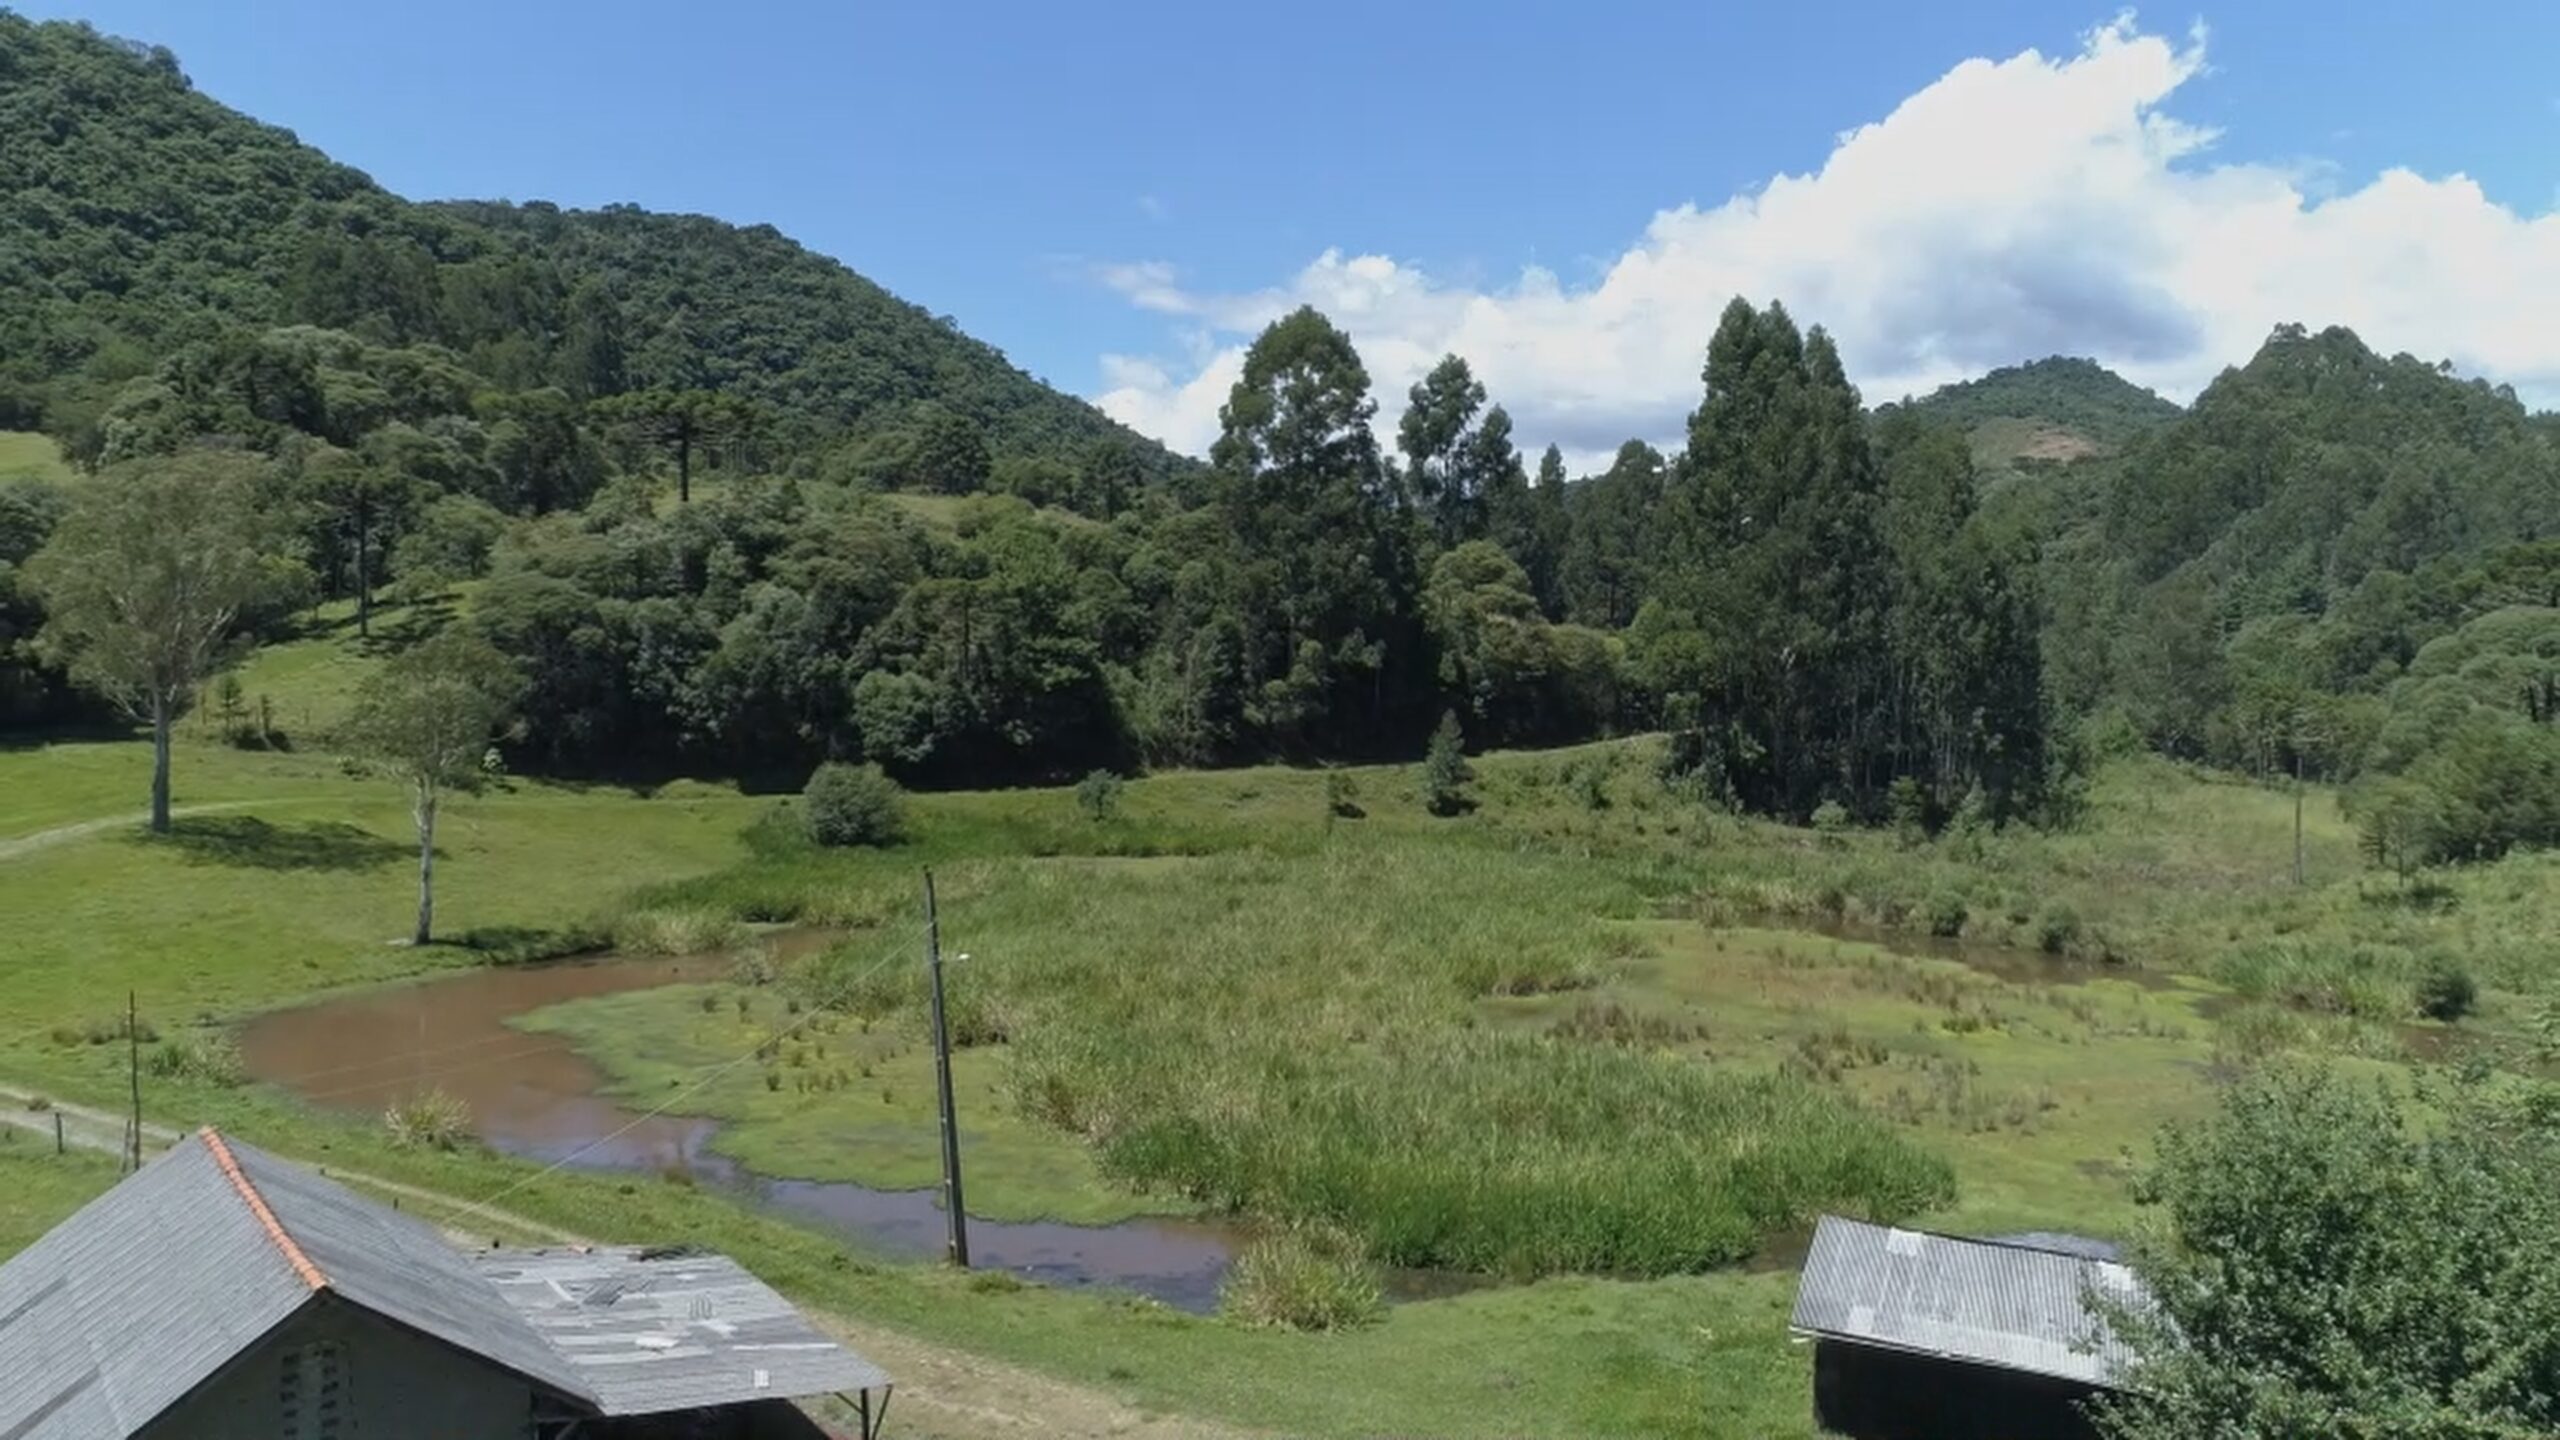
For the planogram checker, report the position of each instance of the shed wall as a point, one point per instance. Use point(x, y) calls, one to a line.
point(391, 1385)
point(1874, 1394)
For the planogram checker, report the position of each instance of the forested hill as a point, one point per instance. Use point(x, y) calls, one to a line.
point(144, 216)
point(2059, 408)
point(708, 305)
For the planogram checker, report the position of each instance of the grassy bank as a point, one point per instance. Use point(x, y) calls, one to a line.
point(1225, 994)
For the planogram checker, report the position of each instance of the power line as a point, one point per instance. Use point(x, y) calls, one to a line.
point(414, 1077)
point(307, 1076)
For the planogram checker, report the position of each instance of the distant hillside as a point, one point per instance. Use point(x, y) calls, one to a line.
point(2061, 408)
point(2320, 461)
point(144, 216)
point(2289, 546)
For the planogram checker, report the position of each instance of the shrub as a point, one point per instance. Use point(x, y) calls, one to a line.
point(1831, 821)
point(694, 930)
point(1946, 914)
point(2056, 929)
point(776, 832)
point(1342, 795)
point(1907, 804)
point(1445, 772)
point(209, 1060)
point(1309, 1277)
point(1589, 781)
point(1098, 795)
point(525, 944)
point(428, 1120)
point(853, 805)
point(2446, 991)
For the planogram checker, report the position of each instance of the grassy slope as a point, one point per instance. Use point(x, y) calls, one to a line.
point(2172, 870)
point(43, 1187)
point(30, 456)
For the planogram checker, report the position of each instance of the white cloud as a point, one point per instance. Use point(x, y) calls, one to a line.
point(2009, 210)
point(1152, 207)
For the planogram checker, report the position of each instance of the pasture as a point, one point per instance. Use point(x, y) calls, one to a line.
point(1597, 1045)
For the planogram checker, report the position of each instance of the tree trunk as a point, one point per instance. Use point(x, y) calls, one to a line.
point(426, 814)
point(684, 469)
point(160, 721)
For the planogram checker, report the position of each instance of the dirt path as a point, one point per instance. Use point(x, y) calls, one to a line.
point(44, 839)
point(941, 1394)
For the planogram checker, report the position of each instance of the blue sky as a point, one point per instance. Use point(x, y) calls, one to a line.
point(1147, 181)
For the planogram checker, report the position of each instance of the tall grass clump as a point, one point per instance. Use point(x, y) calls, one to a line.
point(1304, 1277)
point(431, 1119)
point(1508, 1154)
point(2366, 981)
point(204, 1059)
point(683, 930)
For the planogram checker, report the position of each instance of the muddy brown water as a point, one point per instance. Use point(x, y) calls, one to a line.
point(536, 1096)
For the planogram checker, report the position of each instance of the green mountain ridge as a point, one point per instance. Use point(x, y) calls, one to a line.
point(2060, 408)
point(146, 216)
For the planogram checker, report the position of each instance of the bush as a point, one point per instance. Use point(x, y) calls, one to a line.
point(2056, 929)
point(1908, 806)
point(698, 930)
point(776, 832)
point(1589, 781)
point(1098, 795)
point(429, 1120)
point(1831, 821)
point(1308, 1277)
point(209, 1060)
point(2446, 991)
point(1445, 772)
point(1946, 915)
point(853, 805)
point(1342, 795)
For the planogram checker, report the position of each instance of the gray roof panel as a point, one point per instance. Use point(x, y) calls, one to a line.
point(1986, 1302)
point(678, 1333)
point(125, 1307)
point(402, 1269)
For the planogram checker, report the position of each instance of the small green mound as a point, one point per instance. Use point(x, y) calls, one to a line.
point(1307, 1277)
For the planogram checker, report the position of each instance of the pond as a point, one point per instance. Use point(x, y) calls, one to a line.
point(535, 1096)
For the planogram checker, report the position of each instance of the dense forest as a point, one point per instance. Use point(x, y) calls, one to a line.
point(2334, 563)
point(2075, 395)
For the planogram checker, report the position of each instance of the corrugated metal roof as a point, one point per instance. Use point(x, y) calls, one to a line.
point(676, 1333)
point(1988, 1302)
point(402, 1269)
point(125, 1307)
point(131, 1303)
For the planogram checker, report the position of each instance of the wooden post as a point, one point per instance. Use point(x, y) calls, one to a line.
point(59, 1145)
point(958, 1217)
point(133, 1061)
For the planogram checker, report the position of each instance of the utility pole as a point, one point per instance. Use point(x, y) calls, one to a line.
point(958, 1250)
point(133, 1064)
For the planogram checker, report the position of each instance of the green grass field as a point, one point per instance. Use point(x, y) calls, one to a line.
point(24, 455)
point(1165, 961)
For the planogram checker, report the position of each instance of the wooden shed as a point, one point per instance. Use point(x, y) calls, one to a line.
point(1936, 1337)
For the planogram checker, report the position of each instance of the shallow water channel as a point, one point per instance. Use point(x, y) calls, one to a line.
point(536, 1096)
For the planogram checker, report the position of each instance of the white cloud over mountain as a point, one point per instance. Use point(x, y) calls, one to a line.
point(2011, 209)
